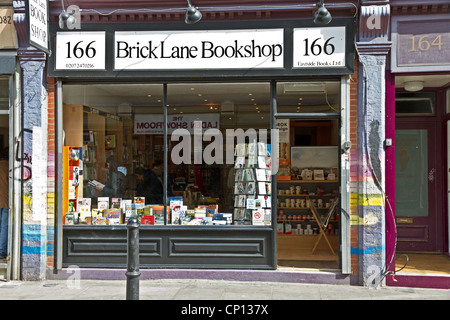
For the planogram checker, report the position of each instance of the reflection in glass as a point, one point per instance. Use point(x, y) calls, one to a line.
point(411, 173)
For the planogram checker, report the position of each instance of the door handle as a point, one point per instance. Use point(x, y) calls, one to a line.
point(431, 175)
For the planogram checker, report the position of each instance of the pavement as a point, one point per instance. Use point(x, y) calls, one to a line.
point(196, 290)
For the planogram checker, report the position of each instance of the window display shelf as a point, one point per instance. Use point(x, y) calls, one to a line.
point(307, 181)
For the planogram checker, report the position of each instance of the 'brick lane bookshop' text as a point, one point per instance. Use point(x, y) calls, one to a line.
point(207, 50)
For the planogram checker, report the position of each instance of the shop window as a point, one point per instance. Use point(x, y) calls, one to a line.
point(105, 156)
point(206, 174)
point(414, 104)
point(308, 97)
point(4, 93)
point(115, 133)
point(448, 100)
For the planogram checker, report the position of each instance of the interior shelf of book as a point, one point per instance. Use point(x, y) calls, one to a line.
point(252, 189)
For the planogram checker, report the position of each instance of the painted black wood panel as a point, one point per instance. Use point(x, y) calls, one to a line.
point(171, 247)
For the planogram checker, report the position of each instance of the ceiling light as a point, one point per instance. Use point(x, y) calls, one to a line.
point(322, 15)
point(413, 86)
point(193, 15)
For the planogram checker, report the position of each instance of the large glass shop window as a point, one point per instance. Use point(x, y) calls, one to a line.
point(218, 154)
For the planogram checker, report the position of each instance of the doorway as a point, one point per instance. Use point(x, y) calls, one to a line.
point(5, 178)
point(416, 186)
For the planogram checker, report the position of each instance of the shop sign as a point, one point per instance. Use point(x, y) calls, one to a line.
point(37, 24)
point(7, 30)
point(319, 47)
point(154, 123)
point(208, 49)
point(421, 45)
point(282, 48)
point(80, 50)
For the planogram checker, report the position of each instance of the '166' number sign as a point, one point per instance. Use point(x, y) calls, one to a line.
point(80, 50)
point(319, 47)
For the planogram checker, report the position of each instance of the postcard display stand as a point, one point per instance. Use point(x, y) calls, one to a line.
point(252, 189)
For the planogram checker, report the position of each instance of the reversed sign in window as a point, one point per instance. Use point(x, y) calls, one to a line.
point(319, 47)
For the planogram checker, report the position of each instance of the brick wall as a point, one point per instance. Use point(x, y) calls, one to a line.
point(354, 165)
point(51, 172)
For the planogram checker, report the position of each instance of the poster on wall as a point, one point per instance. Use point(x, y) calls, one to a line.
point(154, 123)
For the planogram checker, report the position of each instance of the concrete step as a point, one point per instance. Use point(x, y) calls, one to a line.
point(3, 269)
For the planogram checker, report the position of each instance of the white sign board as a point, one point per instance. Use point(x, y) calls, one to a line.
point(319, 47)
point(206, 49)
point(38, 23)
point(154, 123)
point(80, 50)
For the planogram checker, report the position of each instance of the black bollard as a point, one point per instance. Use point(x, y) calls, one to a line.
point(133, 259)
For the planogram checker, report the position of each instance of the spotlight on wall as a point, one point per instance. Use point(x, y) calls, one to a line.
point(413, 86)
point(322, 15)
point(193, 15)
point(67, 21)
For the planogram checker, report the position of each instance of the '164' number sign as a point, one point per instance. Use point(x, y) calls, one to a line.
point(319, 47)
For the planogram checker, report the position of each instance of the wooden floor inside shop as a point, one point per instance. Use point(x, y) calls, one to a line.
point(296, 251)
point(422, 263)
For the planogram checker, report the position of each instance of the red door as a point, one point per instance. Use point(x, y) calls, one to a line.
point(416, 186)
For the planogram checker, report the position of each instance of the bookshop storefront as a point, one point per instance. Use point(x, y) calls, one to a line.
point(225, 139)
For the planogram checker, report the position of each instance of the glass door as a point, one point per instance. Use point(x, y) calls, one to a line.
point(416, 179)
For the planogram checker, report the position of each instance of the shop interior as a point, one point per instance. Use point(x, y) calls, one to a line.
point(124, 122)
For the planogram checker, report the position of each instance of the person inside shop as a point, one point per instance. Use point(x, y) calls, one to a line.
point(115, 185)
point(4, 202)
point(149, 183)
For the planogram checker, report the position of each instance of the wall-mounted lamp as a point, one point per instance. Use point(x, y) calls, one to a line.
point(413, 86)
point(193, 15)
point(322, 15)
point(67, 21)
